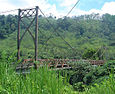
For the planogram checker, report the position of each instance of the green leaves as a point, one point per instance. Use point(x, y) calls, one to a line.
point(82, 33)
point(3, 91)
point(83, 75)
point(41, 81)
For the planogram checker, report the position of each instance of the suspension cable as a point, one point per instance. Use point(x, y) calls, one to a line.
point(98, 51)
point(73, 7)
point(55, 29)
point(3, 12)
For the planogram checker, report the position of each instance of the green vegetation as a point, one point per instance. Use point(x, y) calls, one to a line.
point(106, 87)
point(85, 75)
point(86, 34)
point(42, 81)
point(84, 79)
point(91, 36)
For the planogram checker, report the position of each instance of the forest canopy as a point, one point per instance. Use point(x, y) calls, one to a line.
point(86, 34)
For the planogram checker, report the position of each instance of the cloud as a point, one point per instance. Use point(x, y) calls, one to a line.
point(43, 4)
point(5, 6)
point(47, 8)
point(67, 3)
point(108, 7)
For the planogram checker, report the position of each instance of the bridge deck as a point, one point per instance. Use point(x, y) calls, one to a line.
point(56, 64)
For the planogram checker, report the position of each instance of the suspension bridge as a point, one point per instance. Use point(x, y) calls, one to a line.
point(55, 64)
point(51, 63)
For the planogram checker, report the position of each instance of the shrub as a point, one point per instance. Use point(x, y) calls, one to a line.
point(84, 75)
point(106, 87)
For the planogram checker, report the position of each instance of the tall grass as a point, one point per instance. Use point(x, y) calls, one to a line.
point(41, 81)
point(44, 81)
point(106, 87)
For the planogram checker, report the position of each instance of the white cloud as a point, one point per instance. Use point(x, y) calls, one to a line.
point(43, 4)
point(108, 7)
point(67, 3)
point(5, 6)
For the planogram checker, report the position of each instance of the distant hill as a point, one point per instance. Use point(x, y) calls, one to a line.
point(84, 33)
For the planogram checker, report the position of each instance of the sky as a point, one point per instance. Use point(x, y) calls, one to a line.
point(61, 7)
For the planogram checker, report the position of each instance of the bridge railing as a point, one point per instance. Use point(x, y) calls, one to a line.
point(93, 62)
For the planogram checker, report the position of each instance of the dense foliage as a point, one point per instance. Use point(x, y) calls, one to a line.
point(83, 77)
point(7, 25)
point(86, 34)
point(40, 81)
point(106, 87)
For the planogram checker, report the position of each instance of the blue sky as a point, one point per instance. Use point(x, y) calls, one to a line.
point(83, 4)
point(90, 4)
point(61, 7)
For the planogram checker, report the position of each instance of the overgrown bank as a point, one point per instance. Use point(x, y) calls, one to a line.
point(84, 79)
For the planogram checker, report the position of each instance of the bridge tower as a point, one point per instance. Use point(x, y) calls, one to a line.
point(28, 13)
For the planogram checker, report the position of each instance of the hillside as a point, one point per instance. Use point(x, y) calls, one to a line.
point(86, 34)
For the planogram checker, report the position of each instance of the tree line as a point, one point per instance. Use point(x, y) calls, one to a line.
point(86, 34)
